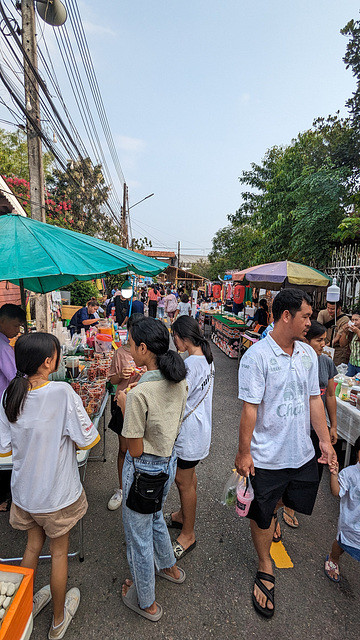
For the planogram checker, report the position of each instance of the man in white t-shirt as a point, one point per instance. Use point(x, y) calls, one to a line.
point(278, 383)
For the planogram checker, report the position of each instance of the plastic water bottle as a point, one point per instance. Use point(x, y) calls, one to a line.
point(244, 496)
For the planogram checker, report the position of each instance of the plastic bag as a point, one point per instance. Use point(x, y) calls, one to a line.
point(342, 368)
point(228, 496)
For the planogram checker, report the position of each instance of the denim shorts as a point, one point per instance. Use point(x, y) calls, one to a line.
point(354, 552)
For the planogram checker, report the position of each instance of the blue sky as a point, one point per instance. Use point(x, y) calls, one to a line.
point(195, 91)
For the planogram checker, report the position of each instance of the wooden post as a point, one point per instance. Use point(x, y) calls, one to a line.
point(36, 171)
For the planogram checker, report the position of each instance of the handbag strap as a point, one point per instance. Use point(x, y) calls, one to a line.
point(203, 398)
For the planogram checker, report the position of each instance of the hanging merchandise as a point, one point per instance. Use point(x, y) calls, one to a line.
point(216, 291)
point(239, 293)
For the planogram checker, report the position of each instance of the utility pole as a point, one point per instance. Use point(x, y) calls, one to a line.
point(124, 212)
point(36, 171)
point(179, 254)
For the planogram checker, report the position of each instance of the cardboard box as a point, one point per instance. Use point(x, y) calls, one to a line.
point(20, 610)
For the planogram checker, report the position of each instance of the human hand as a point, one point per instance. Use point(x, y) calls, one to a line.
point(132, 385)
point(127, 372)
point(328, 455)
point(334, 467)
point(121, 401)
point(244, 464)
point(333, 435)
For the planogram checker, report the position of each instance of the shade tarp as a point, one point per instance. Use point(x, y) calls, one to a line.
point(46, 257)
point(275, 274)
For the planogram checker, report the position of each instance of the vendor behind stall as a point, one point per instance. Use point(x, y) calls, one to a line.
point(261, 316)
point(83, 318)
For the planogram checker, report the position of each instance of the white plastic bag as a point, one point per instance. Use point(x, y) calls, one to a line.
point(228, 496)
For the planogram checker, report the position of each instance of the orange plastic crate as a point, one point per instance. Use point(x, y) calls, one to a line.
point(17, 615)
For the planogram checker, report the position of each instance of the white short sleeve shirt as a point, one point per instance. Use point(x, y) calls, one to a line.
point(194, 439)
point(281, 385)
point(349, 519)
point(45, 474)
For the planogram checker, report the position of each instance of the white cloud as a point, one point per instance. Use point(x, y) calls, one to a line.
point(90, 27)
point(131, 145)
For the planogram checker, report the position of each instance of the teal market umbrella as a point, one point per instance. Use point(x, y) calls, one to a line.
point(42, 257)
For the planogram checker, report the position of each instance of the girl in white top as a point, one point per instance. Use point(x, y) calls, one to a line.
point(41, 423)
point(193, 442)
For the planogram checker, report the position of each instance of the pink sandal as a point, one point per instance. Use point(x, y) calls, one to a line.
point(332, 566)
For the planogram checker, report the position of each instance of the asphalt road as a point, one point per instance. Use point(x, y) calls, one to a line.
point(215, 600)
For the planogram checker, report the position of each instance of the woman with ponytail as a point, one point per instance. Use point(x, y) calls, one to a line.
point(193, 442)
point(41, 423)
point(153, 415)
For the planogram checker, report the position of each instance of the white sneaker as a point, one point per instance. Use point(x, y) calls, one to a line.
point(41, 599)
point(72, 602)
point(115, 500)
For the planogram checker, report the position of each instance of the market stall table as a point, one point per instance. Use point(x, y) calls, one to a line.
point(226, 334)
point(348, 425)
point(83, 455)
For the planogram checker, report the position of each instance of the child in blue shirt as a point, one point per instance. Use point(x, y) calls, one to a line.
point(345, 484)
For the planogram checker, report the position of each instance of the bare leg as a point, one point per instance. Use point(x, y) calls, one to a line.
point(35, 542)
point(186, 482)
point(121, 458)
point(59, 548)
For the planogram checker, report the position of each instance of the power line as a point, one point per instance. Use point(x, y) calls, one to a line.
point(65, 137)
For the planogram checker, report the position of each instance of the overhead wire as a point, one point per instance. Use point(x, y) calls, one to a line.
point(53, 116)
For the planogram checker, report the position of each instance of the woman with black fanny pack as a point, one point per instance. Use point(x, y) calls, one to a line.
point(153, 414)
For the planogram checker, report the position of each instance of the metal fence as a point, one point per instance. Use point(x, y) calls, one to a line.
point(345, 266)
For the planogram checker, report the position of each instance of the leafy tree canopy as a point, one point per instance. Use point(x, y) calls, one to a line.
point(296, 199)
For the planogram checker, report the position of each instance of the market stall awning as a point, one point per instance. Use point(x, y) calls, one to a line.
point(44, 257)
point(275, 274)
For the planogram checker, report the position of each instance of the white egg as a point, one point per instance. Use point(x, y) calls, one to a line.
point(3, 588)
point(2, 613)
point(11, 588)
point(2, 598)
point(6, 602)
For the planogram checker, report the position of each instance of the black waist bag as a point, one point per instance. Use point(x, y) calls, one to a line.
point(146, 492)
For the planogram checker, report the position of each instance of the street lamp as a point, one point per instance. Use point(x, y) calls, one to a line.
point(146, 197)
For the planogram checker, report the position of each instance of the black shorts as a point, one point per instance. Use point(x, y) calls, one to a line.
point(117, 419)
point(296, 487)
point(187, 464)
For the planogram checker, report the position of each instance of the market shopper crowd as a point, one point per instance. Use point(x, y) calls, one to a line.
point(162, 414)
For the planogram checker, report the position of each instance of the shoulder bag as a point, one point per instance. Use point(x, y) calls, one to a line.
point(146, 491)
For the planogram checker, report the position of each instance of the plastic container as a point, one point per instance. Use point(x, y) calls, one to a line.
point(354, 391)
point(345, 392)
point(244, 497)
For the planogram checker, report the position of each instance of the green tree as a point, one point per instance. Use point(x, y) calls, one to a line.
point(352, 60)
point(14, 155)
point(301, 192)
point(202, 268)
point(83, 185)
point(82, 292)
point(234, 247)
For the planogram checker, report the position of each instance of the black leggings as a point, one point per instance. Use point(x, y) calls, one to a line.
point(152, 308)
